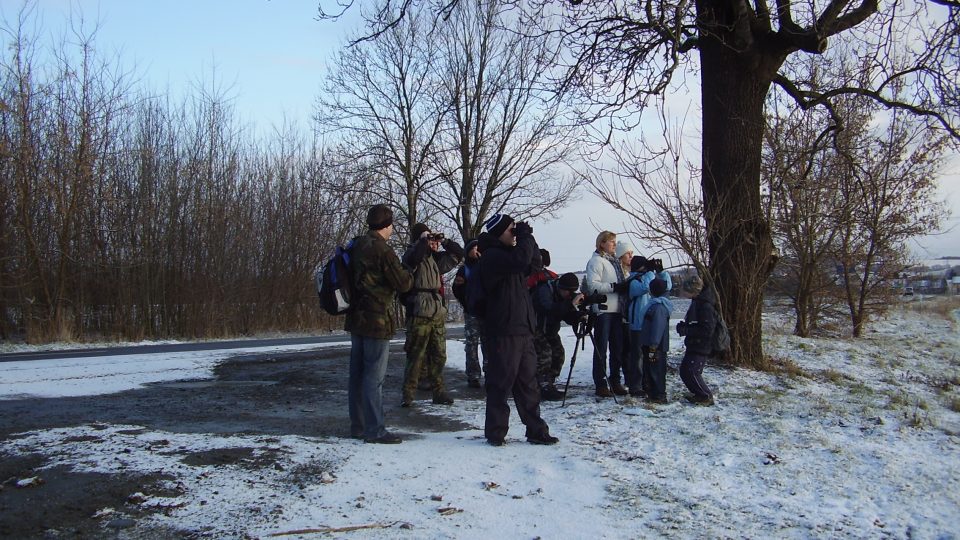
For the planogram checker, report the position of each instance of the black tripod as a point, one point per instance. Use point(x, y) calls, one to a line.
point(582, 329)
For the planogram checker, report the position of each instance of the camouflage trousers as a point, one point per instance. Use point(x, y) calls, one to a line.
point(550, 357)
point(472, 332)
point(426, 349)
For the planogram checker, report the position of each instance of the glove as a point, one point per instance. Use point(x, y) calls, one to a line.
point(621, 287)
point(522, 228)
point(682, 328)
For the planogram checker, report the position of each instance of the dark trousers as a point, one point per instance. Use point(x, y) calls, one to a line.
point(655, 373)
point(512, 370)
point(607, 335)
point(691, 373)
point(550, 357)
point(634, 365)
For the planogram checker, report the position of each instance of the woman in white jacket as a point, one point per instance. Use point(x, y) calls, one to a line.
point(604, 276)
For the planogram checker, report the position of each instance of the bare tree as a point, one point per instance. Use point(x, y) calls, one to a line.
point(383, 98)
point(889, 192)
point(624, 53)
point(801, 172)
point(125, 215)
point(503, 138)
point(652, 182)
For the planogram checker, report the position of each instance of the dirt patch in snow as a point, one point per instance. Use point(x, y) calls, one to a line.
point(301, 393)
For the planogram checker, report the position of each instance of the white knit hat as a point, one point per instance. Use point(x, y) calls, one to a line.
point(623, 247)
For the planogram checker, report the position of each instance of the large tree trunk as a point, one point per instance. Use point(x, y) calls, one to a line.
point(741, 246)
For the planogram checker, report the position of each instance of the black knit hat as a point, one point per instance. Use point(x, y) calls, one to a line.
point(379, 216)
point(545, 257)
point(568, 282)
point(417, 230)
point(658, 287)
point(497, 224)
point(469, 245)
point(638, 263)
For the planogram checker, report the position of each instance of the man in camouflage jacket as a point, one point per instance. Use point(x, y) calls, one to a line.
point(371, 320)
point(426, 343)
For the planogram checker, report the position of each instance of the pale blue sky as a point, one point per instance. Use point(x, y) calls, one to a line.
point(272, 54)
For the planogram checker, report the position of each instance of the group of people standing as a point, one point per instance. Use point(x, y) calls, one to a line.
point(506, 310)
point(631, 328)
point(514, 306)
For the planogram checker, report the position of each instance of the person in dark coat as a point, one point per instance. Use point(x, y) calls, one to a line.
point(509, 325)
point(555, 301)
point(698, 327)
point(465, 283)
point(377, 276)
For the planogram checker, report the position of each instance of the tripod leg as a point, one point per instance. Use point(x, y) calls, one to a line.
point(573, 360)
point(610, 386)
point(605, 378)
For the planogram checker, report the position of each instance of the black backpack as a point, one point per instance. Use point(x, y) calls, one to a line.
point(334, 281)
point(473, 292)
point(721, 334)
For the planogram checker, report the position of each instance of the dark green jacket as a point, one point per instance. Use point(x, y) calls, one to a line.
point(377, 278)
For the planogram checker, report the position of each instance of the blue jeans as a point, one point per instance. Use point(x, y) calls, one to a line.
point(368, 369)
point(607, 335)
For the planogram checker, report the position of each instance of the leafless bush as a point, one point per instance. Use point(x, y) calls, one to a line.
point(125, 215)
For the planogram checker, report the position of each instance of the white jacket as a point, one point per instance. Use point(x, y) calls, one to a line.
point(600, 277)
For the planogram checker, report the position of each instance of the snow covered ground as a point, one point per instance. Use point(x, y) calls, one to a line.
point(855, 439)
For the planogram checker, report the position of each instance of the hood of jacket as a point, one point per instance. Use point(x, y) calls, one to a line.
point(661, 300)
point(708, 295)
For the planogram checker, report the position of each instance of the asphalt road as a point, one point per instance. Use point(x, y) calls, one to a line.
point(252, 393)
point(452, 332)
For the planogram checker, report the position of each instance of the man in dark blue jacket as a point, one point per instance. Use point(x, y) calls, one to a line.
point(509, 324)
point(465, 285)
point(697, 328)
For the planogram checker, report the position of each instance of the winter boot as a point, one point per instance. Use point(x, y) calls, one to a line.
point(549, 392)
point(603, 391)
point(442, 398)
point(543, 438)
point(704, 401)
point(618, 388)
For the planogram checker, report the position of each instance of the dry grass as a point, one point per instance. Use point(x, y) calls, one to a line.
point(954, 405)
point(943, 306)
point(784, 366)
point(834, 376)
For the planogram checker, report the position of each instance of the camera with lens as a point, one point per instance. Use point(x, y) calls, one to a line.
point(596, 298)
point(656, 264)
point(585, 318)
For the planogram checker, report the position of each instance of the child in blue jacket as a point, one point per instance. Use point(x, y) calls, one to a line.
point(641, 276)
point(655, 342)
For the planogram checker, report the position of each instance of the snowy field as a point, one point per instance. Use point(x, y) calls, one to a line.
point(855, 439)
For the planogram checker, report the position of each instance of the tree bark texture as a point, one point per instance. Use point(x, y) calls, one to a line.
point(736, 77)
